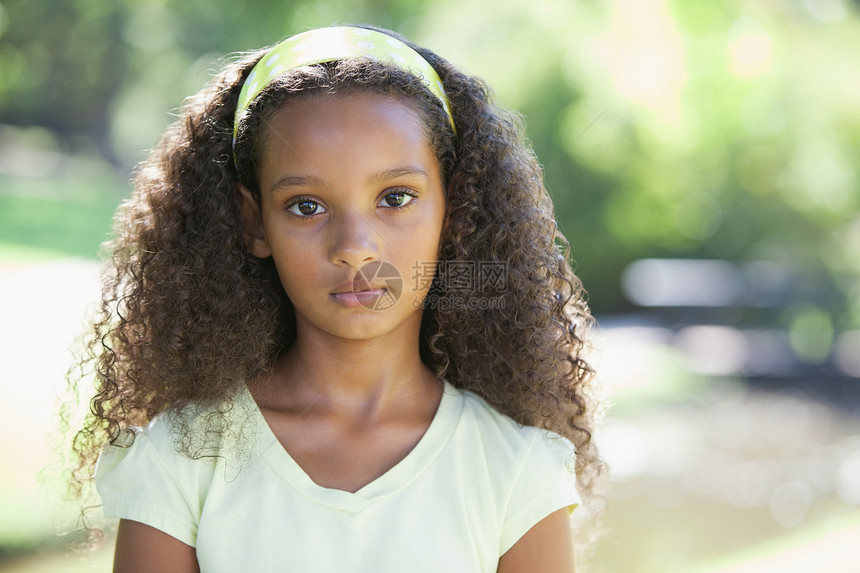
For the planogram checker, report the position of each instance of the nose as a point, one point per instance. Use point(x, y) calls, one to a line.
point(354, 240)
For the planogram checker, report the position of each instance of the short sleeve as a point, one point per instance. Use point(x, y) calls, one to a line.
point(545, 483)
point(145, 483)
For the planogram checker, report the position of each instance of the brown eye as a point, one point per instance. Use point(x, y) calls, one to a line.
point(398, 199)
point(305, 208)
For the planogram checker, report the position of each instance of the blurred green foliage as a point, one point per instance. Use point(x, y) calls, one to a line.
point(666, 127)
point(73, 220)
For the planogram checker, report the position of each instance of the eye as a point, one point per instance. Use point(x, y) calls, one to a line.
point(305, 208)
point(398, 199)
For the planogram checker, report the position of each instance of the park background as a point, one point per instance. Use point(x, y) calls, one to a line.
point(704, 159)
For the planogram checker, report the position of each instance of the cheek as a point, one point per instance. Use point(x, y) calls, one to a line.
point(419, 257)
point(433, 233)
point(297, 266)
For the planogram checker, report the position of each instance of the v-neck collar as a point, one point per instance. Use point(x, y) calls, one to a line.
point(406, 471)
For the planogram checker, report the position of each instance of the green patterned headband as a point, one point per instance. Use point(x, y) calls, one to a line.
point(331, 44)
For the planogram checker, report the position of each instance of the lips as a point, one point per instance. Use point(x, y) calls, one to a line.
point(358, 285)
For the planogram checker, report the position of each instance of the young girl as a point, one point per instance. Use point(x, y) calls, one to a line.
point(339, 330)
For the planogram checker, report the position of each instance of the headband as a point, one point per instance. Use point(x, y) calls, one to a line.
point(332, 44)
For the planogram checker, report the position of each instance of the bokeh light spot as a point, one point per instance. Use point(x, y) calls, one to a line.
point(810, 333)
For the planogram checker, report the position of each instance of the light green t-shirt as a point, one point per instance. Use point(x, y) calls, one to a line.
point(471, 487)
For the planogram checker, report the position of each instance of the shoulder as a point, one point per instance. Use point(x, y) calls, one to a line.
point(149, 481)
point(163, 474)
point(146, 454)
point(528, 471)
point(507, 438)
point(182, 442)
point(512, 454)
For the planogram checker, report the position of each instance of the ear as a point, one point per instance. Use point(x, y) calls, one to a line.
point(252, 225)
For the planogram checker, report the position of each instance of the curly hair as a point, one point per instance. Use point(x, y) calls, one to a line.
point(188, 313)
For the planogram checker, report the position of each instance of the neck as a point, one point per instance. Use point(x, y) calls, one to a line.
point(357, 375)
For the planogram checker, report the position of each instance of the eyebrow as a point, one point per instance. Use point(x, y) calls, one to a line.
point(289, 181)
point(408, 171)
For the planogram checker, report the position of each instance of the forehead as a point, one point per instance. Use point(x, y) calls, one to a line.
point(321, 108)
point(357, 128)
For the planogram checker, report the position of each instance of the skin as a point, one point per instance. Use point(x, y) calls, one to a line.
point(351, 398)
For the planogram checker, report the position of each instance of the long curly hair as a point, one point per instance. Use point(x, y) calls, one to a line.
point(188, 313)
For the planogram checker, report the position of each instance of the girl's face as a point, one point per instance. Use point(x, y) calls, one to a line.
point(350, 198)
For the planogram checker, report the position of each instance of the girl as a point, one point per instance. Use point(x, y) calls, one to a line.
point(339, 304)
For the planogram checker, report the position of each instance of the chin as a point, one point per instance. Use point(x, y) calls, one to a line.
point(368, 325)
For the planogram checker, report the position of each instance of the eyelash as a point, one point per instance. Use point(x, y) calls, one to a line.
point(396, 208)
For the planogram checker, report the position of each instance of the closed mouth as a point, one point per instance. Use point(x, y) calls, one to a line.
point(359, 291)
point(358, 287)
